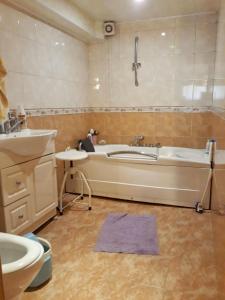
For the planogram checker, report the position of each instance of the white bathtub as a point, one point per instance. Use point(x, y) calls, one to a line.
point(177, 176)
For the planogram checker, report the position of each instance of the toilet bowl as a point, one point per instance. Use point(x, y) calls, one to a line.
point(21, 261)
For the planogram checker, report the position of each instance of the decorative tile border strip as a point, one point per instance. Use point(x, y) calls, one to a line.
point(54, 111)
point(78, 110)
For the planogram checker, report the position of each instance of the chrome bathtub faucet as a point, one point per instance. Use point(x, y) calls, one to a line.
point(137, 140)
point(157, 145)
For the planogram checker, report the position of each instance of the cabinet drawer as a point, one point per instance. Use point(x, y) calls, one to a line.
point(18, 215)
point(15, 183)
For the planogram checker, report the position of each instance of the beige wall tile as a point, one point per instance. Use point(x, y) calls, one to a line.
point(182, 21)
point(204, 65)
point(113, 124)
point(135, 124)
point(203, 92)
point(170, 64)
point(220, 36)
point(206, 37)
point(201, 125)
point(148, 46)
point(185, 38)
point(164, 41)
point(173, 125)
point(219, 93)
point(183, 93)
point(42, 62)
point(220, 65)
point(184, 66)
point(15, 95)
point(97, 121)
point(11, 49)
point(218, 127)
point(166, 51)
point(207, 18)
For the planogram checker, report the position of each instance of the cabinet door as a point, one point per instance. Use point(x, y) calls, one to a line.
point(45, 186)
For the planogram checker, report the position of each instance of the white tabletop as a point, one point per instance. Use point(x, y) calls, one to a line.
point(71, 155)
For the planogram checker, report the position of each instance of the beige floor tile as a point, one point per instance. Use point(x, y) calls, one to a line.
point(202, 294)
point(185, 268)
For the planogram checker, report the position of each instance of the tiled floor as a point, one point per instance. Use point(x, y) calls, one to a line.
point(184, 270)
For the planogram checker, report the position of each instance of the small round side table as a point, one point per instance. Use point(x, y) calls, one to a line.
point(73, 156)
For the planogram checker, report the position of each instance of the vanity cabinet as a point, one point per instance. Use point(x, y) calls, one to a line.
point(28, 194)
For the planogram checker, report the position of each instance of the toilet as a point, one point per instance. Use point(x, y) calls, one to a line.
point(22, 259)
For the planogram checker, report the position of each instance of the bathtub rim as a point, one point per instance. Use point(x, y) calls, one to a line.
point(162, 159)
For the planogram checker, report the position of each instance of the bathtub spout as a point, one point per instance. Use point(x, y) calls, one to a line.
point(137, 140)
point(157, 145)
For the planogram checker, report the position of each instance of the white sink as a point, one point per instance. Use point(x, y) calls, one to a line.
point(21, 261)
point(27, 141)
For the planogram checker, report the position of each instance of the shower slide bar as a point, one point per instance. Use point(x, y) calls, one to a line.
point(136, 65)
point(150, 155)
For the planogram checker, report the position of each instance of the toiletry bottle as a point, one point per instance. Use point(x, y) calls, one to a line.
point(94, 137)
point(21, 115)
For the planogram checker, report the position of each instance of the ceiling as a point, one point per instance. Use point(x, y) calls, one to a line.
point(130, 10)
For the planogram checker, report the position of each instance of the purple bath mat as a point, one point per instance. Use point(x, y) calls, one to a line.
point(128, 234)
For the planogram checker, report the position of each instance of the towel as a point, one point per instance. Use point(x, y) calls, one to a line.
point(3, 71)
point(4, 103)
point(87, 145)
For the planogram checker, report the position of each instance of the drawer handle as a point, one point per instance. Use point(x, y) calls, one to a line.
point(20, 217)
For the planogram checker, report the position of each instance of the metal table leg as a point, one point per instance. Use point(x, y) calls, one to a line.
point(74, 171)
point(61, 193)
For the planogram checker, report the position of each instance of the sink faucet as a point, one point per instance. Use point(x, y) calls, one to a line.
point(137, 139)
point(12, 124)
